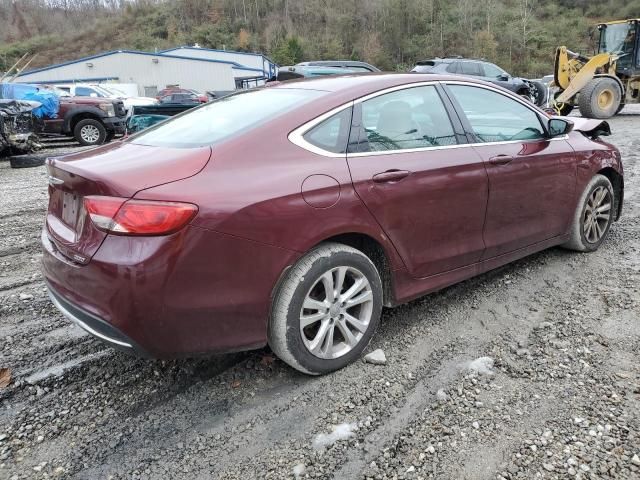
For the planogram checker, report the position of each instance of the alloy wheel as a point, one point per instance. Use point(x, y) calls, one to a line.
point(90, 133)
point(597, 214)
point(336, 312)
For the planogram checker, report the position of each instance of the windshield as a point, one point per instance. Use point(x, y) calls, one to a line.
point(102, 90)
point(618, 38)
point(114, 91)
point(226, 117)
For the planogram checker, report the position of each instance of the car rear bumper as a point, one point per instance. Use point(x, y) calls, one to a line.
point(192, 292)
point(94, 325)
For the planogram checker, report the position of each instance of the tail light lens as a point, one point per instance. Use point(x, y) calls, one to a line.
point(138, 217)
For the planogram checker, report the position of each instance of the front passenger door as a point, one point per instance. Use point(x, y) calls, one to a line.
point(532, 178)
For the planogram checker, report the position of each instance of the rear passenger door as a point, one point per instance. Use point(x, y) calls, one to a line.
point(426, 188)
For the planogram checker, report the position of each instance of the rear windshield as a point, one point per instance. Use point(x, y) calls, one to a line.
point(224, 118)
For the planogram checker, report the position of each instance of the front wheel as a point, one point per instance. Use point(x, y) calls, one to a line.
point(326, 309)
point(593, 217)
point(90, 132)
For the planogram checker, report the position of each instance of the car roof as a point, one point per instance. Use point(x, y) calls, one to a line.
point(367, 82)
point(341, 63)
point(451, 60)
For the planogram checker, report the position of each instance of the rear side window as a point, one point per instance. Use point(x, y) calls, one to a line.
point(406, 119)
point(495, 117)
point(470, 68)
point(226, 117)
point(332, 134)
point(454, 67)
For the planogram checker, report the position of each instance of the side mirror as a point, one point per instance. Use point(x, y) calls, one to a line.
point(558, 127)
point(503, 77)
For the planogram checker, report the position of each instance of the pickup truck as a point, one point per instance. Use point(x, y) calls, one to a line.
point(91, 121)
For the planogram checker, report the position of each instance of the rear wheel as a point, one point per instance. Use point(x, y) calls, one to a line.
point(600, 98)
point(326, 310)
point(593, 217)
point(90, 132)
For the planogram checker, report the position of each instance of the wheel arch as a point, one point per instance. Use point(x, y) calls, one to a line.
point(78, 117)
point(372, 248)
point(617, 181)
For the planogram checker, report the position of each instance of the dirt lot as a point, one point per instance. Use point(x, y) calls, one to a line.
point(561, 400)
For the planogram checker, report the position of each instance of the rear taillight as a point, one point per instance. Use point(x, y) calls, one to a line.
point(138, 217)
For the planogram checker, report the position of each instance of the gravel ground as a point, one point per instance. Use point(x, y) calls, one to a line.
point(530, 371)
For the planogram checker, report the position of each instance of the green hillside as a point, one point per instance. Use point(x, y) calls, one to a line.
point(519, 35)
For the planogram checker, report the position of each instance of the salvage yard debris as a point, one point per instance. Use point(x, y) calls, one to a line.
point(5, 377)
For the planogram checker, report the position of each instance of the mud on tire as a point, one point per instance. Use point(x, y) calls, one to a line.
point(292, 334)
point(592, 209)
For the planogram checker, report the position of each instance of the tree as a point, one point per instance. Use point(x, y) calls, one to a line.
point(289, 52)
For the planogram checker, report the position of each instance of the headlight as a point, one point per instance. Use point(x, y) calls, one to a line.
point(108, 108)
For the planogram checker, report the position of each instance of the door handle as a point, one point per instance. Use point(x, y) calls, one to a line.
point(500, 160)
point(391, 176)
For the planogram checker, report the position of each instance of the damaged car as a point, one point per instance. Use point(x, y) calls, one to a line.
point(532, 90)
point(18, 127)
point(192, 237)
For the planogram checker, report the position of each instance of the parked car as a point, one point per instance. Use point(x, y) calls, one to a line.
point(309, 71)
point(202, 98)
point(483, 70)
point(353, 66)
point(105, 91)
point(290, 215)
point(90, 120)
point(18, 127)
point(180, 98)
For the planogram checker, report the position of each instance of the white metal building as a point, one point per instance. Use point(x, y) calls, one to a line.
point(150, 71)
point(251, 60)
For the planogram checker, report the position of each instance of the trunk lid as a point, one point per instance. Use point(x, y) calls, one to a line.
point(117, 170)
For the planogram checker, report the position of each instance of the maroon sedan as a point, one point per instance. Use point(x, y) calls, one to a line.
point(291, 215)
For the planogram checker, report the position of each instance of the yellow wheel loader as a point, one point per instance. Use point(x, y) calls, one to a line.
point(601, 85)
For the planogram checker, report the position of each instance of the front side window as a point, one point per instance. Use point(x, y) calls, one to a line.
point(223, 118)
point(405, 119)
point(332, 134)
point(492, 71)
point(495, 117)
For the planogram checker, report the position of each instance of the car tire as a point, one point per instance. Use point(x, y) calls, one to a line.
point(90, 132)
point(600, 98)
point(26, 161)
point(586, 238)
point(309, 282)
point(539, 95)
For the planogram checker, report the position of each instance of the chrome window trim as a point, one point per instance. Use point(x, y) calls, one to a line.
point(297, 136)
point(443, 147)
